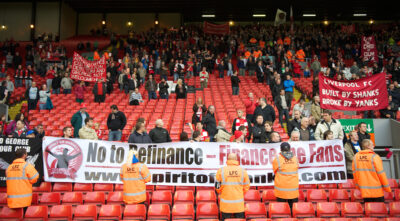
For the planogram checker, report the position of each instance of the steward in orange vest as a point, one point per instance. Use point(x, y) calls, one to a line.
point(134, 176)
point(287, 41)
point(286, 183)
point(232, 183)
point(300, 55)
point(20, 177)
point(369, 176)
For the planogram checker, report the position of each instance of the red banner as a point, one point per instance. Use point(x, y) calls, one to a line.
point(368, 93)
point(215, 29)
point(368, 48)
point(91, 71)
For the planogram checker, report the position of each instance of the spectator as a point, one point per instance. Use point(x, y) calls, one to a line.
point(151, 87)
point(66, 84)
point(78, 119)
point(189, 68)
point(12, 125)
point(183, 137)
point(251, 106)
point(275, 137)
point(261, 72)
point(294, 124)
point(199, 111)
point(109, 83)
point(391, 110)
point(281, 103)
point(20, 131)
point(241, 66)
point(300, 107)
point(222, 135)
point(305, 132)
point(44, 94)
point(163, 89)
point(159, 134)
point(362, 132)
point(3, 125)
point(288, 85)
point(10, 86)
point(67, 132)
point(277, 86)
point(221, 69)
point(239, 137)
point(295, 136)
point(116, 122)
point(235, 83)
point(9, 59)
point(351, 147)
point(229, 68)
point(306, 72)
point(328, 135)
point(316, 109)
point(180, 90)
point(56, 84)
point(204, 136)
point(316, 66)
point(99, 132)
point(39, 131)
point(18, 77)
point(87, 132)
point(139, 135)
point(328, 123)
point(241, 121)
point(142, 73)
point(50, 76)
point(210, 123)
point(258, 130)
point(196, 137)
point(32, 95)
point(135, 97)
point(99, 91)
point(130, 82)
point(266, 110)
point(17, 59)
point(28, 76)
point(204, 78)
point(80, 92)
point(251, 66)
point(268, 129)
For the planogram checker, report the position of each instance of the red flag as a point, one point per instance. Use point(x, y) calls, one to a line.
point(368, 48)
point(91, 71)
point(216, 29)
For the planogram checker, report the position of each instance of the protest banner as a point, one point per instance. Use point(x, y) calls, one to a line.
point(90, 71)
point(216, 29)
point(368, 48)
point(368, 93)
point(186, 163)
point(8, 146)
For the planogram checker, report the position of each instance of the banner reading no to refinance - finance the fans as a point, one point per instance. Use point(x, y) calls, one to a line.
point(185, 163)
point(368, 93)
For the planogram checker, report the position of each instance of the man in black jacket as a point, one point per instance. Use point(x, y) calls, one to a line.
point(210, 124)
point(281, 102)
point(139, 135)
point(295, 123)
point(159, 134)
point(362, 132)
point(235, 83)
point(163, 89)
point(267, 111)
point(261, 72)
point(99, 91)
point(32, 95)
point(116, 122)
point(258, 130)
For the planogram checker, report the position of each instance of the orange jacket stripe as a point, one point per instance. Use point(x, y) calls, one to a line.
point(286, 177)
point(134, 177)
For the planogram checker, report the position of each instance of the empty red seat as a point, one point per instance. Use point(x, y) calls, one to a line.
point(308, 186)
point(106, 187)
point(110, 212)
point(255, 210)
point(183, 211)
point(192, 188)
point(303, 210)
point(62, 187)
point(85, 212)
point(340, 219)
point(135, 211)
point(11, 214)
point(159, 211)
point(327, 210)
point(61, 212)
point(252, 196)
point(50, 199)
point(367, 219)
point(397, 195)
point(338, 195)
point(162, 187)
point(393, 183)
point(268, 196)
point(375, 210)
point(356, 196)
point(83, 187)
point(392, 219)
point(184, 196)
point(348, 185)
point(394, 209)
point(161, 196)
point(3, 199)
point(316, 195)
point(327, 186)
point(115, 198)
point(206, 210)
point(44, 187)
point(72, 198)
point(205, 196)
point(119, 187)
point(96, 198)
point(352, 209)
point(36, 213)
point(279, 210)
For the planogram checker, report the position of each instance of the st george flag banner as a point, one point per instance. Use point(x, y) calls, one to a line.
point(90, 71)
point(368, 93)
point(368, 48)
point(186, 163)
point(216, 29)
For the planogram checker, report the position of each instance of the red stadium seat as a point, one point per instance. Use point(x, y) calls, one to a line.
point(85, 212)
point(252, 196)
point(392, 219)
point(184, 196)
point(3, 199)
point(161, 197)
point(394, 209)
point(159, 211)
point(327, 186)
point(96, 198)
point(376, 210)
point(207, 211)
point(169, 188)
point(279, 210)
point(61, 212)
point(338, 195)
point(268, 196)
point(327, 210)
point(352, 209)
point(44, 187)
point(367, 219)
point(397, 194)
point(119, 187)
point(313, 219)
point(316, 195)
point(183, 211)
point(110, 212)
point(115, 198)
point(192, 188)
point(83, 187)
point(205, 196)
point(303, 210)
point(11, 214)
point(356, 196)
point(36, 213)
point(261, 219)
point(255, 210)
point(340, 219)
point(50, 199)
point(393, 183)
point(135, 211)
point(72, 198)
point(389, 197)
point(62, 187)
point(105, 187)
point(348, 185)
point(308, 186)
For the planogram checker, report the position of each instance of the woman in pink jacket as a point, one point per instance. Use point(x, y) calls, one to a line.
point(80, 92)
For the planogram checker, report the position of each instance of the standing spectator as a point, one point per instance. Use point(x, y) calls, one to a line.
point(241, 121)
point(315, 85)
point(266, 110)
point(277, 86)
point(116, 122)
point(316, 66)
point(235, 83)
point(304, 130)
point(39, 131)
point(67, 132)
point(18, 77)
point(210, 124)
point(139, 135)
point(251, 66)
point(50, 76)
point(258, 130)
point(17, 59)
point(32, 95)
point(351, 147)
point(3, 69)
point(199, 111)
point(159, 134)
point(56, 84)
point(281, 104)
point(109, 83)
point(328, 123)
point(28, 76)
point(230, 68)
point(66, 84)
point(135, 97)
point(221, 69)
point(80, 92)
point(301, 106)
point(251, 106)
point(99, 91)
point(163, 89)
point(316, 109)
point(151, 87)
point(130, 83)
point(20, 131)
point(142, 73)
point(288, 85)
point(87, 132)
point(10, 86)
point(190, 65)
point(204, 78)
point(78, 119)
point(3, 125)
point(268, 129)
point(222, 134)
point(180, 90)
point(241, 66)
point(362, 132)
point(294, 124)
point(9, 59)
point(261, 72)
point(44, 94)
point(12, 125)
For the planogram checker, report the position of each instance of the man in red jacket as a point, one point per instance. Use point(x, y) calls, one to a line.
point(250, 107)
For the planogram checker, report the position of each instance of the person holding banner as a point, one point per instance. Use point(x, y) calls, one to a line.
point(286, 182)
point(232, 183)
point(134, 176)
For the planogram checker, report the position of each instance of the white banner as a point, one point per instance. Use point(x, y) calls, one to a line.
point(186, 163)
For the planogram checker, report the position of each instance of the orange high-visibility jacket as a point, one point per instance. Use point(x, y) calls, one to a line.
point(279, 41)
point(257, 54)
point(134, 177)
point(20, 177)
point(96, 56)
point(369, 176)
point(247, 54)
point(286, 177)
point(234, 184)
point(289, 55)
point(287, 41)
point(262, 43)
point(300, 55)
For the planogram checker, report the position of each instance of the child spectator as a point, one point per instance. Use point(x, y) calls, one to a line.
point(98, 131)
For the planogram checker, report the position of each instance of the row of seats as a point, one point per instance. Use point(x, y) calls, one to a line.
point(254, 210)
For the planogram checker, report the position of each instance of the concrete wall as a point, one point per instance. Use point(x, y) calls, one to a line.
point(47, 18)
point(89, 21)
point(68, 21)
point(17, 17)
point(168, 20)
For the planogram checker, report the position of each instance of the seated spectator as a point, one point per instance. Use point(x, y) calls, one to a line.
point(391, 110)
point(196, 137)
point(20, 131)
point(66, 84)
point(98, 131)
point(44, 94)
point(239, 137)
point(39, 131)
point(328, 135)
point(183, 137)
point(180, 90)
point(151, 87)
point(275, 137)
point(79, 92)
point(295, 136)
point(13, 124)
point(266, 110)
point(204, 136)
point(328, 123)
point(67, 132)
point(159, 134)
point(306, 72)
point(135, 97)
point(258, 131)
point(304, 130)
point(210, 123)
point(87, 132)
point(30, 134)
point(351, 147)
point(222, 134)
point(139, 135)
point(295, 123)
